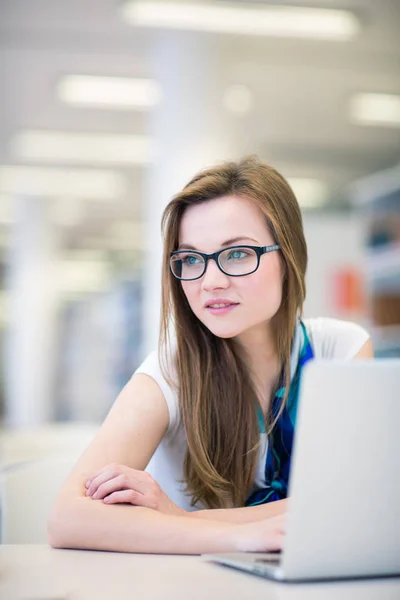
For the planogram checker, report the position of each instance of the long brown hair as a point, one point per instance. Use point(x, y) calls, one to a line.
point(218, 403)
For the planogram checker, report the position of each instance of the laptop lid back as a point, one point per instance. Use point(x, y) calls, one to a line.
point(344, 489)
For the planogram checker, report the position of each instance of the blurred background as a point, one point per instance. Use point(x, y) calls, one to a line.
point(107, 108)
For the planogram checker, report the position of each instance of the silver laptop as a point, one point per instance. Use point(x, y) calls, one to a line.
point(344, 488)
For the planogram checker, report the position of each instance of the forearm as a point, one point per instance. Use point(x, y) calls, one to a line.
point(248, 514)
point(91, 525)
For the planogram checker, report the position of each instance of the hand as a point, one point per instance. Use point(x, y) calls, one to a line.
point(261, 536)
point(120, 484)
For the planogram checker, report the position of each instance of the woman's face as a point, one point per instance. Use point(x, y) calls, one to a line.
point(211, 226)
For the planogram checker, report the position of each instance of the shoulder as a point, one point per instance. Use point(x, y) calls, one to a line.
point(333, 338)
point(165, 377)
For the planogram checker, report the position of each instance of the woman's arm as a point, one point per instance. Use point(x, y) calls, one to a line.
point(115, 484)
point(130, 434)
point(84, 524)
point(147, 493)
point(247, 514)
point(366, 351)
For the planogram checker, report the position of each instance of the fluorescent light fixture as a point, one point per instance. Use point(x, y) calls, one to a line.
point(68, 212)
point(375, 109)
point(238, 100)
point(310, 193)
point(243, 18)
point(77, 148)
point(6, 212)
point(125, 235)
point(83, 275)
point(55, 182)
point(85, 255)
point(109, 92)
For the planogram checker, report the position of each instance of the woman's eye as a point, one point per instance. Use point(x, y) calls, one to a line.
point(190, 260)
point(237, 254)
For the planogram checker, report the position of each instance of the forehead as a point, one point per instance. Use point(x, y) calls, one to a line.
point(214, 221)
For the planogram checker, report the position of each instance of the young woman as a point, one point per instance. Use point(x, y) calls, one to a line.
point(212, 413)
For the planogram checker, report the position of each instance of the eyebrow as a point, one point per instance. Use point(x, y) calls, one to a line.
point(226, 243)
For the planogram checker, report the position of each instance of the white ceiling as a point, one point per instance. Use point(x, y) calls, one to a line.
point(301, 88)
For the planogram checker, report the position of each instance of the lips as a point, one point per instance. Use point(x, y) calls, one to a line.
point(219, 309)
point(219, 303)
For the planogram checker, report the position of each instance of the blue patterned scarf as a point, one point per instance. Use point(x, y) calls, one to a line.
point(280, 441)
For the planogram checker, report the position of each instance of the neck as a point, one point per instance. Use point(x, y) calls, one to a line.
point(260, 354)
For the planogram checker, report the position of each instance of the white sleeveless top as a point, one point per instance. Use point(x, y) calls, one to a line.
point(330, 338)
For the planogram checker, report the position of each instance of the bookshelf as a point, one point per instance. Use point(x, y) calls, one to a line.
point(377, 200)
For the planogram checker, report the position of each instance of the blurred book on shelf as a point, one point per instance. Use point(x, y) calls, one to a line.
point(384, 230)
point(347, 295)
point(386, 309)
point(378, 199)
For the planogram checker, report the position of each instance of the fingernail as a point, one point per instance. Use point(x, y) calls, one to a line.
point(87, 483)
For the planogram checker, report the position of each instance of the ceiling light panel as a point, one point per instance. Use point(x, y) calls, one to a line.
point(238, 100)
point(54, 182)
point(375, 109)
point(121, 93)
point(68, 212)
point(82, 148)
point(245, 18)
point(83, 275)
point(310, 193)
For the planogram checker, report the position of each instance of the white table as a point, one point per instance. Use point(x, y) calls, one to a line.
point(38, 572)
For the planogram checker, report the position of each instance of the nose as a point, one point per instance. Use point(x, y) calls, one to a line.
point(214, 278)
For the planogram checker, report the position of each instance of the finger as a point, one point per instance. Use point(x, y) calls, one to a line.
point(111, 485)
point(130, 496)
point(141, 481)
point(111, 466)
point(275, 542)
point(92, 477)
point(104, 475)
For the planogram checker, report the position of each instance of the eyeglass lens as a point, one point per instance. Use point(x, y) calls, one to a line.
point(233, 261)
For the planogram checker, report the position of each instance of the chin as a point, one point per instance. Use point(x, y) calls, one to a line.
point(224, 336)
point(224, 332)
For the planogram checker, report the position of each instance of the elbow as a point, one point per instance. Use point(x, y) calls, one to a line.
point(60, 526)
point(55, 535)
point(54, 540)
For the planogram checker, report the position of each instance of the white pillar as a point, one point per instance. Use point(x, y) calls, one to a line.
point(30, 357)
point(191, 131)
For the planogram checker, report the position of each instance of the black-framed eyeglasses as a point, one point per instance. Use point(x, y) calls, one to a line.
point(235, 261)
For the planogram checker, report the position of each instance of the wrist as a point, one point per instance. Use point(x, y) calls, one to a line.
point(237, 540)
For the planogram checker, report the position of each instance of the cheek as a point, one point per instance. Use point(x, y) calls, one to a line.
point(264, 288)
point(191, 293)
